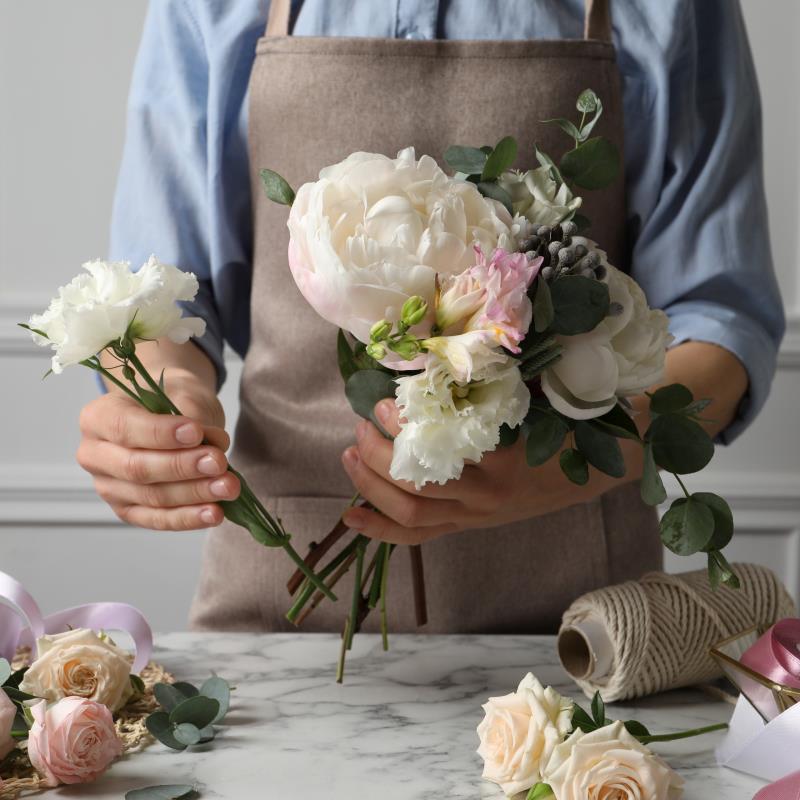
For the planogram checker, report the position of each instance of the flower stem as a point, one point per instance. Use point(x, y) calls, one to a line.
point(384, 575)
point(669, 737)
point(98, 367)
point(680, 482)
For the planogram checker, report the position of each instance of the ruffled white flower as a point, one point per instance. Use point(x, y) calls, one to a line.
point(374, 231)
point(109, 301)
point(466, 354)
point(537, 197)
point(447, 422)
point(520, 732)
point(622, 356)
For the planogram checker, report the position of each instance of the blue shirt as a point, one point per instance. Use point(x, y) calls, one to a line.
point(693, 153)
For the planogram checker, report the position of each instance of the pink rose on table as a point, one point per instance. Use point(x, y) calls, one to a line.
point(7, 713)
point(73, 741)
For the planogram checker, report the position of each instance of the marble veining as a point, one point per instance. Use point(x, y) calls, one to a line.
point(401, 727)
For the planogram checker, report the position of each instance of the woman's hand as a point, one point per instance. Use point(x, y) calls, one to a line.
point(501, 488)
point(153, 469)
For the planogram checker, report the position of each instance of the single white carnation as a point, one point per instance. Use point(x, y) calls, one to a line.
point(109, 301)
point(447, 422)
point(538, 198)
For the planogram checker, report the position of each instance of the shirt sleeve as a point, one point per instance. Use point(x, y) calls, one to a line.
point(701, 246)
point(161, 203)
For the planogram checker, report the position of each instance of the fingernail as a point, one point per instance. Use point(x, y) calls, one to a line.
point(207, 516)
point(383, 410)
point(350, 457)
point(187, 434)
point(353, 518)
point(219, 488)
point(208, 466)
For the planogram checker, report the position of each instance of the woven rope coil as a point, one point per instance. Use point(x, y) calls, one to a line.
point(662, 626)
point(20, 776)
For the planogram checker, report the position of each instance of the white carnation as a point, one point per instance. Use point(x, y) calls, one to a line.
point(109, 301)
point(447, 422)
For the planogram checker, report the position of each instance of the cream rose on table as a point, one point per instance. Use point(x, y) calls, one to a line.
point(79, 663)
point(520, 732)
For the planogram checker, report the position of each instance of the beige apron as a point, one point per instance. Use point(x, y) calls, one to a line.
point(312, 102)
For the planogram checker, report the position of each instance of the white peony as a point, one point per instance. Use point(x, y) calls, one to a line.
point(109, 301)
point(622, 356)
point(447, 422)
point(374, 231)
point(537, 197)
point(79, 663)
point(606, 763)
point(520, 732)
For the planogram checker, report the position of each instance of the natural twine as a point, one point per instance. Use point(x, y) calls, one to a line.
point(18, 774)
point(662, 626)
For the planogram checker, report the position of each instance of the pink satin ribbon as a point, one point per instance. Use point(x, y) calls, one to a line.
point(787, 788)
point(776, 655)
point(22, 622)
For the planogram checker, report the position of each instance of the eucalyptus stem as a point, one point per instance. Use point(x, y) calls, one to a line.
point(680, 482)
point(670, 737)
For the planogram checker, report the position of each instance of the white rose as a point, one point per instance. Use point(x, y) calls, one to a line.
point(373, 231)
point(109, 301)
point(520, 732)
point(537, 197)
point(606, 763)
point(622, 356)
point(79, 663)
point(447, 422)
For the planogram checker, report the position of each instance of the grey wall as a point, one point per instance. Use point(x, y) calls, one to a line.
point(64, 73)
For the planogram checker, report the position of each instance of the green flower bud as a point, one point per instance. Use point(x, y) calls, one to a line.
point(128, 373)
point(414, 310)
point(380, 330)
point(376, 350)
point(406, 346)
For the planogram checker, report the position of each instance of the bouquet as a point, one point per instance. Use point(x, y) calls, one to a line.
point(475, 302)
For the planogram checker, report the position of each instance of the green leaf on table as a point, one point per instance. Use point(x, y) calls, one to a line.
point(217, 689)
point(186, 733)
point(5, 671)
point(579, 304)
point(600, 448)
point(687, 527)
point(543, 312)
point(635, 728)
point(170, 696)
point(199, 711)
point(539, 791)
point(680, 445)
point(500, 159)
point(277, 187)
point(581, 720)
point(651, 486)
point(574, 465)
point(619, 423)
point(175, 791)
point(496, 192)
point(186, 689)
point(366, 387)
point(158, 723)
point(723, 519)
point(545, 437)
point(720, 572)
point(207, 734)
point(593, 164)
point(669, 399)
point(599, 710)
point(469, 160)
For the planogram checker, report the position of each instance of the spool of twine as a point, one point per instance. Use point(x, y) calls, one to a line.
point(646, 636)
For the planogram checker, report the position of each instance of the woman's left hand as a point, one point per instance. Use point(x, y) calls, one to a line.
point(501, 488)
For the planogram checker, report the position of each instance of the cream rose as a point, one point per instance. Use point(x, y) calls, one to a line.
point(79, 663)
point(8, 711)
point(622, 356)
point(538, 198)
point(73, 741)
point(520, 732)
point(609, 763)
point(374, 231)
point(109, 301)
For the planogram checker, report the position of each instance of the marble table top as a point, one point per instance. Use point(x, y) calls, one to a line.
point(401, 727)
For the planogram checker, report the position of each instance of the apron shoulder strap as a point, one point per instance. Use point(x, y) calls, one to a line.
point(280, 12)
point(597, 22)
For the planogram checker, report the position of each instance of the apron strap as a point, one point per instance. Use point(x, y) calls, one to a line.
point(280, 12)
point(597, 22)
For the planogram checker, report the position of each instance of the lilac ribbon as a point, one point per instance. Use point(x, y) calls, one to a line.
point(787, 788)
point(776, 655)
point(22, 622)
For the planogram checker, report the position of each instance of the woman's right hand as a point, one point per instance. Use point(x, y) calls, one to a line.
point(153, 469)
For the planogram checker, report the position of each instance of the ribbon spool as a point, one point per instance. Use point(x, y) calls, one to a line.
point(654, 634)
point(22, 622)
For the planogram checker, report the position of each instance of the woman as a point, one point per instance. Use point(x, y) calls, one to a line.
point(521, 544)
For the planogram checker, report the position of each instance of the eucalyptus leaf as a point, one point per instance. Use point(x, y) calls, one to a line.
point(277, 187)
point(574, 465)
point(186, 689)
point(720, 572)
point(175, 791)
point(199, 711)
point(207, 734)
point(723, 519)
point(365, 388)
point(545, 437)
point(669, 399)
point(594, 164)
point(566, 126)
point(619, 423)
point(588, 101)
point(600, 448)
point(169, 696)
point(651, 486)
point(508, 435)
point(496, 192)
point(500, 159)
point(543, 312)
point(217, 689)
point(469, 160)
point(545, 161)
point(186, 733)
point(5, 671)
point(687, 527)
point(579, 304)
point(158, 723)
point(680, 445)
point(345, 357)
